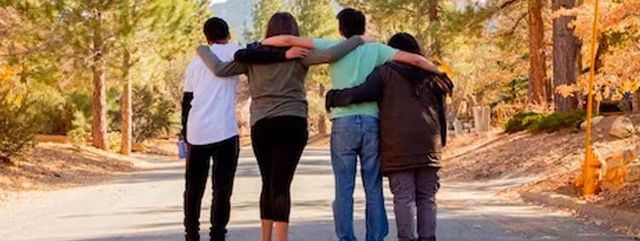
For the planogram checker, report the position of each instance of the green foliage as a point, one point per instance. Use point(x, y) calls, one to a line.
point(79, 101)
point(521, 121)
point(51, 107)
point(515, 91)
point(19, 120)
point(80, 129)
point(557, 121)
point(153, 113)
point(146, 41)
point(114, 140)
point(261, 12)
point(538, 123)
point(317, 20)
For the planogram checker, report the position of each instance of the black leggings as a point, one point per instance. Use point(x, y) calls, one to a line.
point(278, 143)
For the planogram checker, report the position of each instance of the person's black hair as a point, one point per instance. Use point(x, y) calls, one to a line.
point(216, 29)
point(405, 42)
point(351, 22)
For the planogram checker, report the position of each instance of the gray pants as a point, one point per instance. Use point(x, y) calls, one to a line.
point(415, 188)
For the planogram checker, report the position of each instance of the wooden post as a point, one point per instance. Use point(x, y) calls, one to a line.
point(590, 165)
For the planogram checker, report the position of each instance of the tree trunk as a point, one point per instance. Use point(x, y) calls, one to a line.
point(566, 47)
point(322, 123)
point(434, 20)
point(603, 48)
point(99, 101)
point(537, 68)
point(126, 129)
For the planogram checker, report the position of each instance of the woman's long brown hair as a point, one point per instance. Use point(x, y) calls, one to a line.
point(282, 23)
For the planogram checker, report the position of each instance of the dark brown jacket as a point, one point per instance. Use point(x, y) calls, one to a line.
point(412, 120)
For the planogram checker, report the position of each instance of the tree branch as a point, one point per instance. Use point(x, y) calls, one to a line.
point(515, 26)
point(507, 4)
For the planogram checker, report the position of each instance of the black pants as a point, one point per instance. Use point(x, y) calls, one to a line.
point(225, 161)
point(278, 143)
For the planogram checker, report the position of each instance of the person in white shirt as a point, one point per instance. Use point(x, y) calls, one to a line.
point(211, 132)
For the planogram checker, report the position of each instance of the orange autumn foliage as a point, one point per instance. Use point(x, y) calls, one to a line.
point(620, 24)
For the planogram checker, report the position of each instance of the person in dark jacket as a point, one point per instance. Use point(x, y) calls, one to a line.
point(413, 132)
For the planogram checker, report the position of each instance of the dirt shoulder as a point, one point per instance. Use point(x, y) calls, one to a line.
point(550, 161)
point(50, 166)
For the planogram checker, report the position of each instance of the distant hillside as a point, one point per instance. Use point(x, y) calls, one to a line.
point(236, 13)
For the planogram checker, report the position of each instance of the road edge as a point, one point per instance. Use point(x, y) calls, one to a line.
point(622, 221)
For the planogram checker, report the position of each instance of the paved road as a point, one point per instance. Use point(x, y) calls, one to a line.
point(146, 205)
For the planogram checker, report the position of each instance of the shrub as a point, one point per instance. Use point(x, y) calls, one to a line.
point(19, 119)
point(51, 106)
point(114, 140)
point(521, 121)
point(80, 128)
point(537, 123)
point(557, 121)
point(153, 113)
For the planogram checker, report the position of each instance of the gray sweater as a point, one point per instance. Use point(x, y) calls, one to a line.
point(278, 89)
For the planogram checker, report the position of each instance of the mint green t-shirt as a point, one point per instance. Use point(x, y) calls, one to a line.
point(353, 69)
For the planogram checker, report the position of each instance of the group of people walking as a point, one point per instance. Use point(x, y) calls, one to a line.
point(387, 111)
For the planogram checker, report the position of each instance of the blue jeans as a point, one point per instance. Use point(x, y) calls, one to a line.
point(352, 138)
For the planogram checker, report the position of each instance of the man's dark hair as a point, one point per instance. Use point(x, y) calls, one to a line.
point(352, 22)
point(405, 42)
point(216, 29)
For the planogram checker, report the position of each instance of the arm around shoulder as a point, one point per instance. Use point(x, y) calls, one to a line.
point(416, 60)
point(334, 53)
point(261, 55)
point(288, 41)
point(369, 91)
point(219, 68)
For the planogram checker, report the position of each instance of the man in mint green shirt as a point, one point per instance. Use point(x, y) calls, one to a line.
point(355, 130)
point(353, 69)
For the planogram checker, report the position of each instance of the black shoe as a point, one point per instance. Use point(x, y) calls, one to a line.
point(217, 238)
point(192, 237)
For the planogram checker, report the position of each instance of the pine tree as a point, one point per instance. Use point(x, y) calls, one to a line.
point(537, 65)
point(261, 12)
point(317, 20)
point(566, 47)
point(421, 18)
point(149, 17)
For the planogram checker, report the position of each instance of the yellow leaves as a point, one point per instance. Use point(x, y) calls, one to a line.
point(5, 74)
point(567, 90)
point(444, 67)
point(15, 93)
point(630, 86)
point(8, 72)
point(620, 71)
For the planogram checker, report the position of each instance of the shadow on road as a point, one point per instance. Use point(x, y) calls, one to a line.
point(451, 227)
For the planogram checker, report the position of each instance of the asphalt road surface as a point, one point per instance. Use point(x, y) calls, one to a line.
point(147, 205)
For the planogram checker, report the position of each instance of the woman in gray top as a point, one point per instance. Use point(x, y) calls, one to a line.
point(278, 117)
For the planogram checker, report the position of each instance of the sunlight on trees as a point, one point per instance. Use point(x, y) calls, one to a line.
point(95, 51)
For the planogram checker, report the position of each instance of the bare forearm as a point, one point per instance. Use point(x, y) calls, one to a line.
point(427, 65)
point(417, 60)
